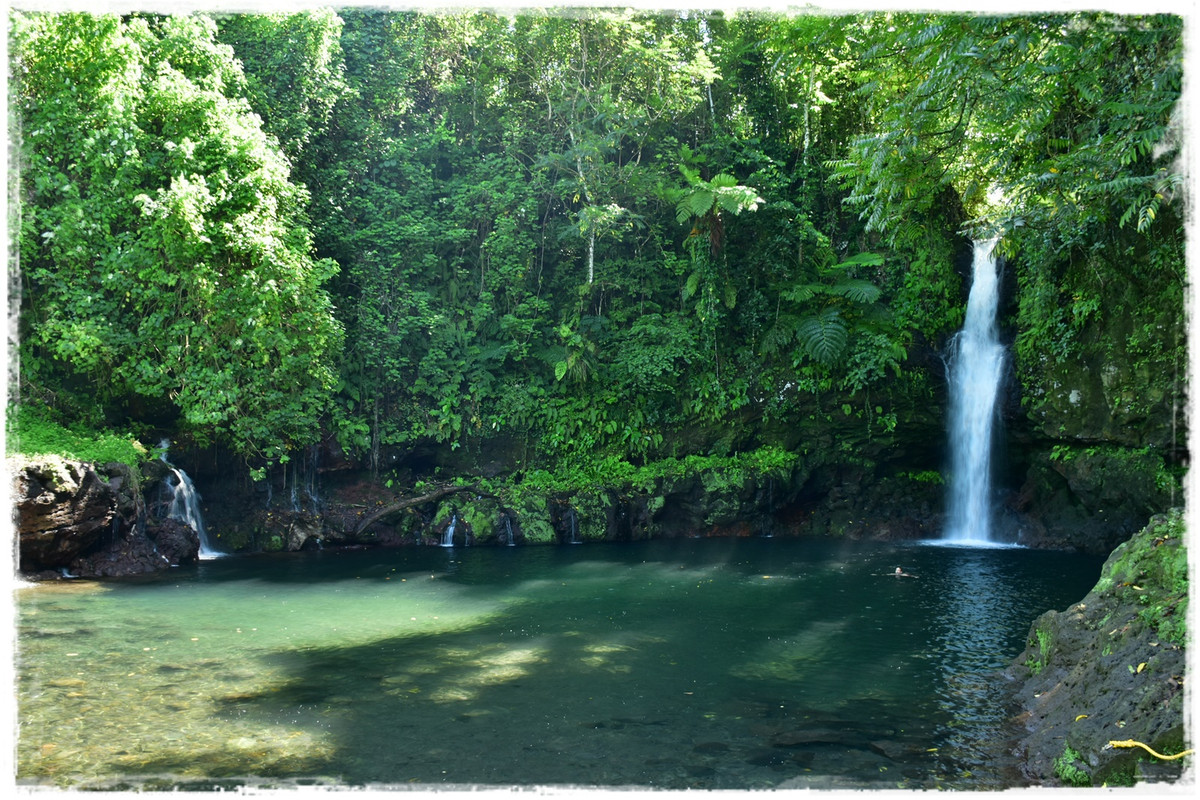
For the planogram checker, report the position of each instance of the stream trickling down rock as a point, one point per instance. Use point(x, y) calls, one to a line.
point(706, 663)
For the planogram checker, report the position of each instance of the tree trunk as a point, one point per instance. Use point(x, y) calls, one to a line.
point(400, 505)
point(591, 256)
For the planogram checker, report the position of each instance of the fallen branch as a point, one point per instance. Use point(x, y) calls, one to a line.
point(400, 505)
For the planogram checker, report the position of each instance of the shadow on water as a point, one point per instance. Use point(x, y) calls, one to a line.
point(688, 664)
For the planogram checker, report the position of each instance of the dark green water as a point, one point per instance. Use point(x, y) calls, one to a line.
point(716, 663)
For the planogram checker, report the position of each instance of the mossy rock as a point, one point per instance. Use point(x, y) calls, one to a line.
point(234, 539)
point(531, 520)
point(480, 518)
point(593, 512)
point(1111, 667)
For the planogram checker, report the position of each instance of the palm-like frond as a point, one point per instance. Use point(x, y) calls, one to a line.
point(823, 335)
point(856, 289)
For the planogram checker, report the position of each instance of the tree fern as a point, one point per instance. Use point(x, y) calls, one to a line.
point(779, 336)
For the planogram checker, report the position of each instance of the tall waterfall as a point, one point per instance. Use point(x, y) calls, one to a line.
point(448, 534)
point(975, 367)
point(185, 506)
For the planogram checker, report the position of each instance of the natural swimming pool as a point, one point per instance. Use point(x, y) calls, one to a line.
point(689, 663)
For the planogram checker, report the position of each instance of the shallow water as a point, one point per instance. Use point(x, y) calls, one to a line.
point(697, 663)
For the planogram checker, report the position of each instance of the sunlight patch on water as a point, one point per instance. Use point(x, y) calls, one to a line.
point(794, 659)
point(499, 671)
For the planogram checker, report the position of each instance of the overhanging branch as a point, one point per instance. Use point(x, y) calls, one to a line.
point(400, 505)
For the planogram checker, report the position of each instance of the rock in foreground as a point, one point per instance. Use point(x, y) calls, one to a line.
point(1111, 669)
point(84, 520)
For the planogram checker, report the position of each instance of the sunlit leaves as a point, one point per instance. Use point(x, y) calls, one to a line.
point(294, 71)
point(1062, 113)
point(706, 200)
point(180, 268)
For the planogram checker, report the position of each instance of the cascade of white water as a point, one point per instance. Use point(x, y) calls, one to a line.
point(574, 528)
point(448, 535)
point(975, 366)
point(185, 505)
point(508, 532)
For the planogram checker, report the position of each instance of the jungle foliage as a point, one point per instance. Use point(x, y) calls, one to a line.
point(584, 232)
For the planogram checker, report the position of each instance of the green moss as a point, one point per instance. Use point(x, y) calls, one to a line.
point(929, 476)
point(1153, 567)
point(533, 520)
point(718, 472)
point(1037, 663)
point(592, 510)
point(482, 516)
point(1069, 770)
point(32, 432)
point(1124, 775)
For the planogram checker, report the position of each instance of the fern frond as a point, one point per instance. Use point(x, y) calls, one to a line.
point(856, 289)
point(779, 336)
point(823, 336)
point(860, 260)
point(802, 293)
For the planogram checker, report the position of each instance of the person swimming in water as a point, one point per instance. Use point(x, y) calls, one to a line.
point(899, 573)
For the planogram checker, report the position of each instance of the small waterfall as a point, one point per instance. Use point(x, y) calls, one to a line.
point(574, 527)
point(304, 482)
point(313, 469)
point(448, 534)
point(185, 505)
point(975, 367)
point(508, 532)
point(765, 524)
point(298, 475)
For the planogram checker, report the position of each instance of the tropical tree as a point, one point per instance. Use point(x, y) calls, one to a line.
point(1059, 119)
point(164, 253)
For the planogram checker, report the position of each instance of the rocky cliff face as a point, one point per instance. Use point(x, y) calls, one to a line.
point(1097, 422)
point(87, 520)
point(63, 508)
point(1110, 668)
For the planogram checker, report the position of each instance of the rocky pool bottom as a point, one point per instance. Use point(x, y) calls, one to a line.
point(688, 663)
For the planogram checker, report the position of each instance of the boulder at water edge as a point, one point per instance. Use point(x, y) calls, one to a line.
point(83, 520)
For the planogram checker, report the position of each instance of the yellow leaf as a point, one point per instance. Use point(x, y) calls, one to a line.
point(1055, 171)
point(1081, 716)
point(1141, 666)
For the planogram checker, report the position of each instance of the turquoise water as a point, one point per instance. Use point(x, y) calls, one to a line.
point(697, 663)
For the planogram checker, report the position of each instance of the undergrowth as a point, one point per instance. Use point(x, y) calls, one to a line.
point(30, 431)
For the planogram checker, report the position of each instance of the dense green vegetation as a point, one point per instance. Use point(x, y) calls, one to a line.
point(31, 432)
point(595, 237)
